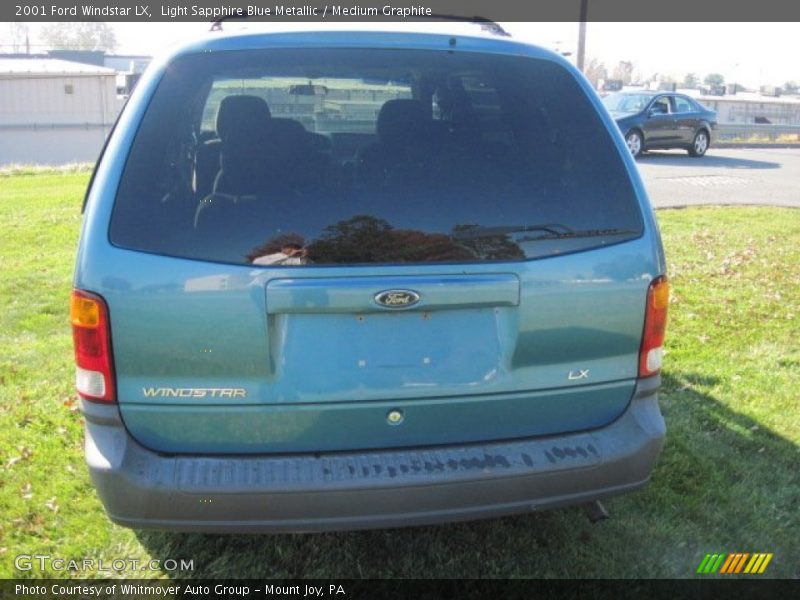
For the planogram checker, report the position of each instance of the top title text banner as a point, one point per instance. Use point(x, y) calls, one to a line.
point(398, 10)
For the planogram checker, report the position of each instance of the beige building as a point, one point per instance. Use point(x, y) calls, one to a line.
point(747, 108)
point(54, 111)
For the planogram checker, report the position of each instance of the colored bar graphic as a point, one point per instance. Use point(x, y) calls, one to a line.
point(705, 561)
point(752, 563)
point(727, 564)
point(734, 563)
point(715, 568)
point(710, 563)
point(757, 564)
point(740, 566)
point(765, 563)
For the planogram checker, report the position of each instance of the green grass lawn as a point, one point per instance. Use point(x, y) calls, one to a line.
point(728, 480)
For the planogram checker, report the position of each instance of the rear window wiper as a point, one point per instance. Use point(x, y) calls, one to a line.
point(471, 232)
point(547, 231)
point(583, 233)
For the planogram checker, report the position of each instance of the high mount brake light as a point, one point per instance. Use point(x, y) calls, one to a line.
point(655, 324)
point(91, 334)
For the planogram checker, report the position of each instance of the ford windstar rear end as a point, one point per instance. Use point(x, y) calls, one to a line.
point(339, 280)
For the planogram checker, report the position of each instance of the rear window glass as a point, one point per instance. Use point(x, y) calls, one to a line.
point(329, 157)
point(683, 105)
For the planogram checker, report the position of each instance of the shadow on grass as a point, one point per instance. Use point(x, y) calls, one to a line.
point(724, 484)
point(671, 159)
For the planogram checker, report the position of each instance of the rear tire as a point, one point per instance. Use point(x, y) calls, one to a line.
point(699, 143)
point(635, 142)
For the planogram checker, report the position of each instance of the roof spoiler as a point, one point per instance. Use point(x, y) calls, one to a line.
point(486, 24)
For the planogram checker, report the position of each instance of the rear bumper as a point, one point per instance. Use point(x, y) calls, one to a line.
point(350, 490)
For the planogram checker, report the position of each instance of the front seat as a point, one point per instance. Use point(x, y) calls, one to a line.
point(241, 121)
point(403, 150)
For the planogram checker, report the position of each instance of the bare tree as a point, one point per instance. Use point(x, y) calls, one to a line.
point(18, 37)
point(690, 81)
point(623, 71)
point(637, 77)
point(80, 36)
point(595, 71)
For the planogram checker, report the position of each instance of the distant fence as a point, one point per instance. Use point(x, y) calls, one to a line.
point(746, 131)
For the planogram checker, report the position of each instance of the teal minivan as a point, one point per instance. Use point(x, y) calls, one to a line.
point(350, 279)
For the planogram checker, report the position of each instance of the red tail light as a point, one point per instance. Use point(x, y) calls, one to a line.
point(655, 324)
point(91, 334)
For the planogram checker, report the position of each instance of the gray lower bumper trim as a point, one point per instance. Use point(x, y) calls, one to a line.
point(330, 491)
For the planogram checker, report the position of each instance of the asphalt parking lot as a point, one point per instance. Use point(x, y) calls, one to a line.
point(769, 176)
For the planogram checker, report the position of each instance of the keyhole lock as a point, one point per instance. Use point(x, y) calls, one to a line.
point(394, 417)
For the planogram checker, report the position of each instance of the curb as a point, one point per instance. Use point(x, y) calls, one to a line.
point(724, 205)
point(721, 145)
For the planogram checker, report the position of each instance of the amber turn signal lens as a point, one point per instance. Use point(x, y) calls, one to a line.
point(84, 312)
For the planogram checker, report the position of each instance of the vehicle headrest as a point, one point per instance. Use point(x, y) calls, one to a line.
point(237, 114)
point(402, 121)
point(287, 128)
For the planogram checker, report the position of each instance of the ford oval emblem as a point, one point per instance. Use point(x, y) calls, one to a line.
point(397, 298)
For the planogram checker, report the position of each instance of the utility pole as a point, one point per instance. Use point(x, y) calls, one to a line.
point(582, 34)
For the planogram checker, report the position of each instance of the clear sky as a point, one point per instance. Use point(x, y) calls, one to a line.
point(753, 54)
